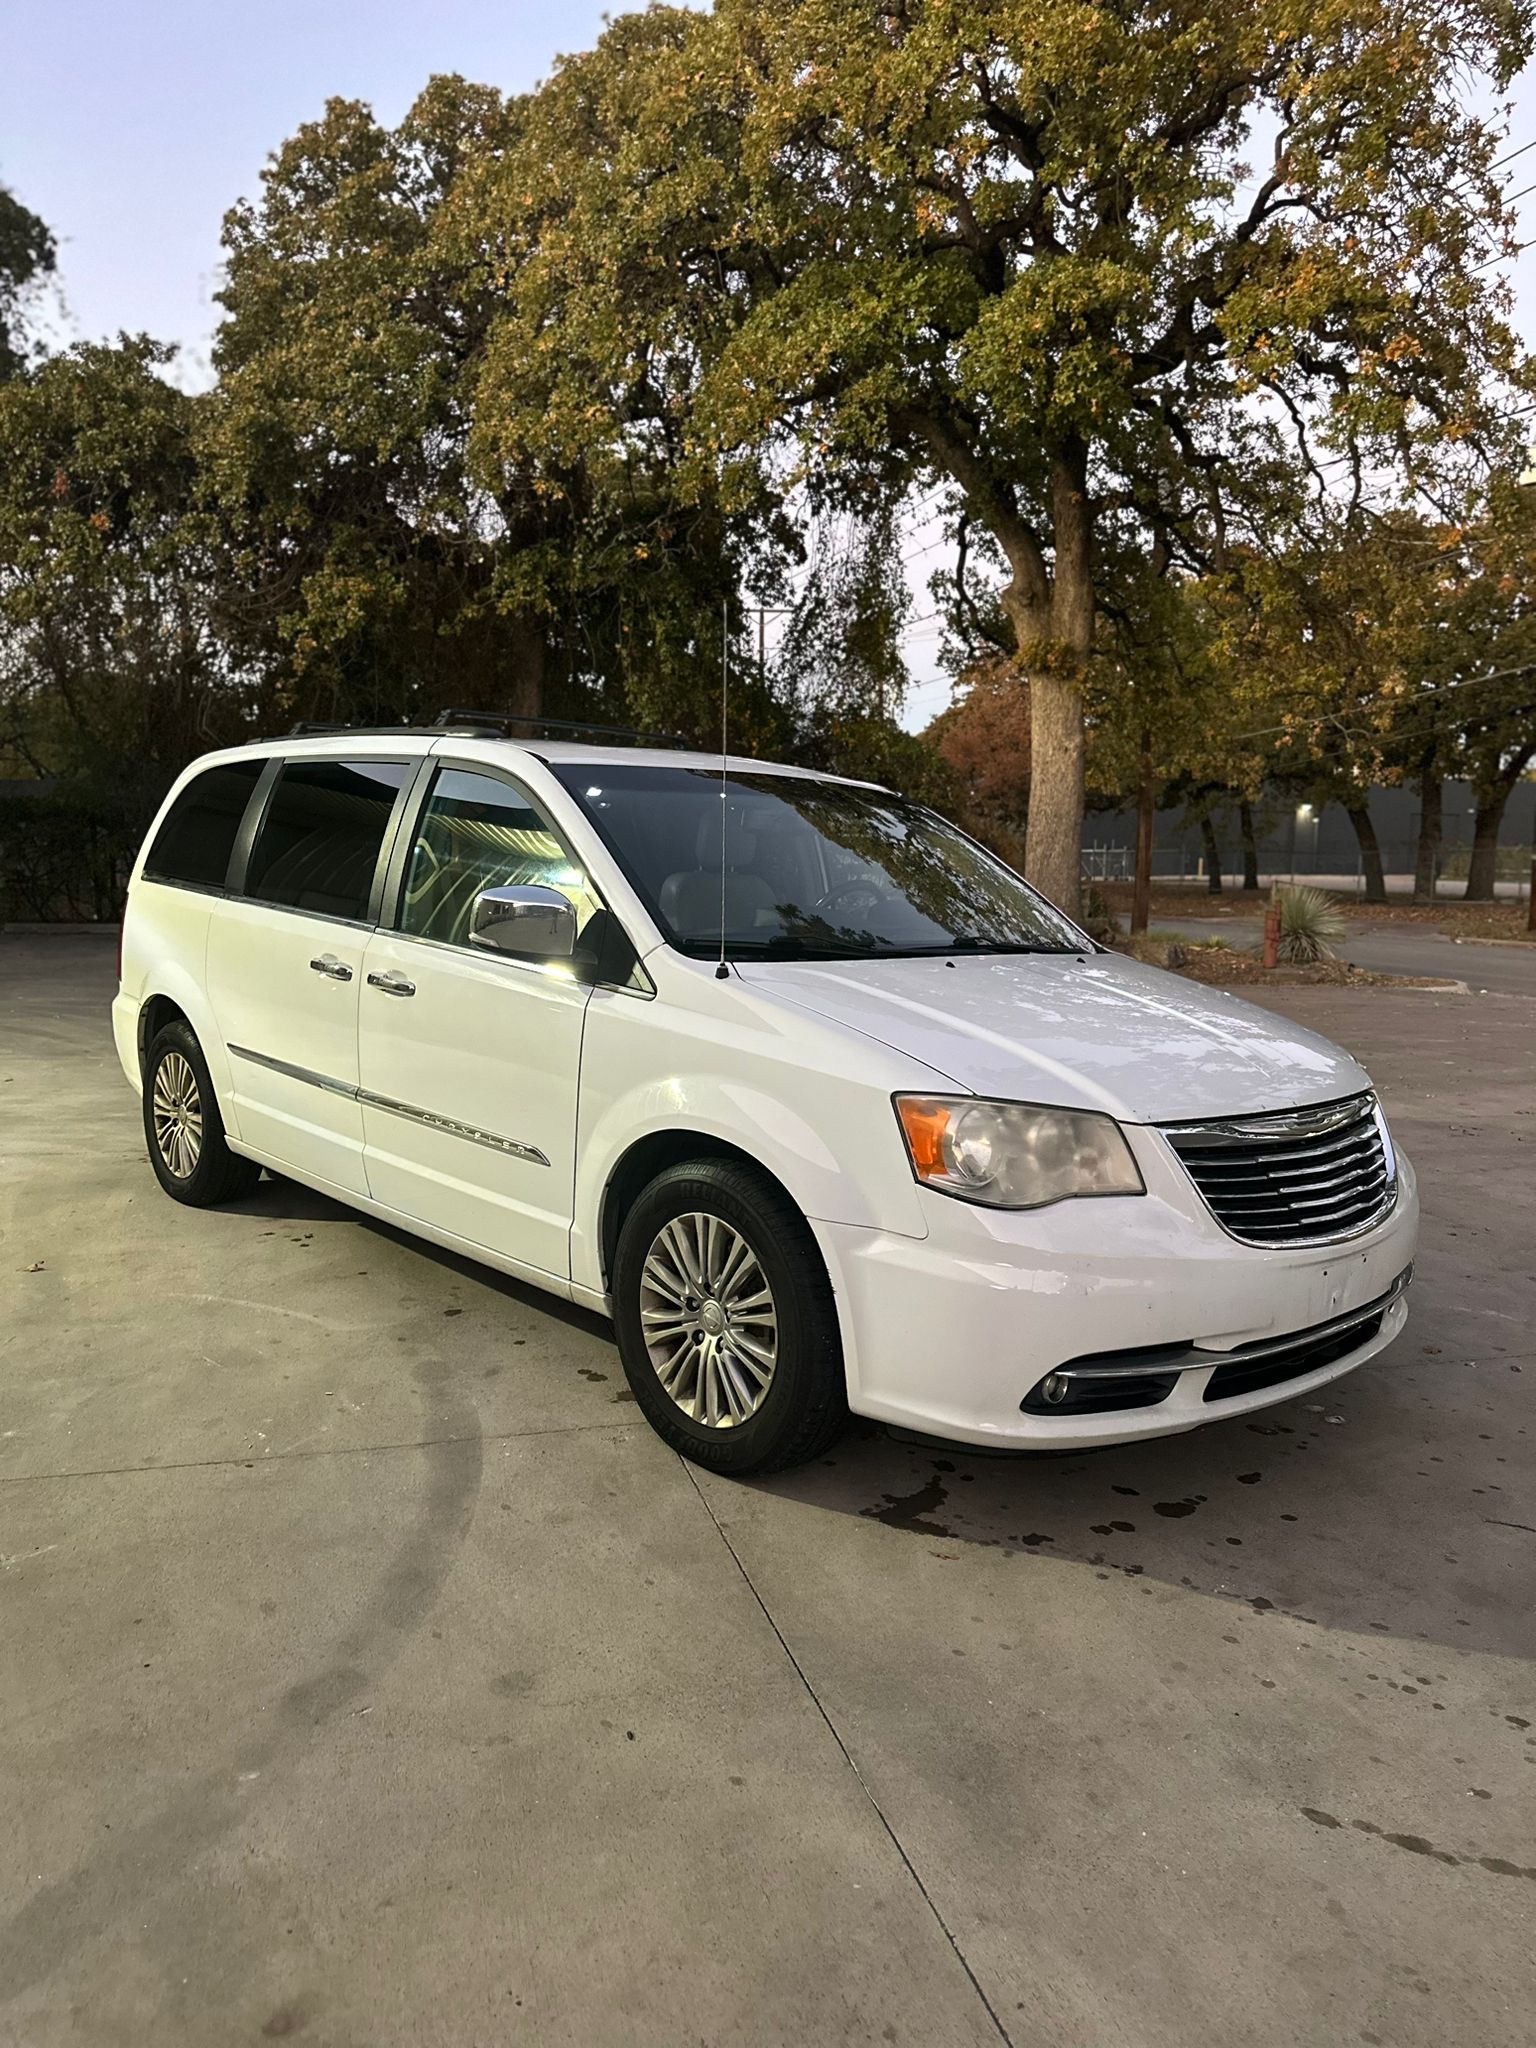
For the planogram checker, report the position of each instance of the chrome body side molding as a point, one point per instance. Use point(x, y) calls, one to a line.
point(512, 1148)
point(265, 1059)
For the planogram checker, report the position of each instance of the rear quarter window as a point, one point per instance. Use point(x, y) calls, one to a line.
point(197, 835)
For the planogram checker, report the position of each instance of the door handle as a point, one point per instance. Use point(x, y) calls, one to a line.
point(338, 970)
point(392, 984)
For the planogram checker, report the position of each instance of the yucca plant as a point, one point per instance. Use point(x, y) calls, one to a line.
point(1310, 926)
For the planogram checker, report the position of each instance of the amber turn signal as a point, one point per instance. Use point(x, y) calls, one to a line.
point(924, 1123)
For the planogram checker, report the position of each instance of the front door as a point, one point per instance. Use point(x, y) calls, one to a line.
point(285, 964)
point(468, 1059)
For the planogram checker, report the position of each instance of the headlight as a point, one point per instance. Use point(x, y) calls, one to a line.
point(1014, 1155)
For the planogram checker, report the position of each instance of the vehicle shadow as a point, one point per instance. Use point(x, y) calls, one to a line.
point(279, 1200)
point(1383, 1504)
point(1374, 1505)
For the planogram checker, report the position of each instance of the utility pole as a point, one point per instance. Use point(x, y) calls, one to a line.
point(765, 612)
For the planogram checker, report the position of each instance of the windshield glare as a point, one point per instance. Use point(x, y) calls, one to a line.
point(813, 869)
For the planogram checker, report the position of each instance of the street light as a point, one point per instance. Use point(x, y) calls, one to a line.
point(1305, 815)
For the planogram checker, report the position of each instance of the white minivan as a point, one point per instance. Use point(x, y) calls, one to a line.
point(818, 1101)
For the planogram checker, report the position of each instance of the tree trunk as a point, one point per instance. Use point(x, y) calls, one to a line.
point(1431, 828)
point(522, 681)
point(1053, 846)
point(1250, 845)
point(1212, 855)
point(1359, 816)
point(1049, 602)
point(1054, 835)
point(1491, 799)
point(1146, 823)
point(1484, 868)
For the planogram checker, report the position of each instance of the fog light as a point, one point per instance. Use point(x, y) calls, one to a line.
point(1054, 1388)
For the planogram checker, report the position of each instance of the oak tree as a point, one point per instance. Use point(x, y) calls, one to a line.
point(1121, 272)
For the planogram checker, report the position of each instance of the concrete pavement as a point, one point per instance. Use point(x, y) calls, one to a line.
point(372, 1677)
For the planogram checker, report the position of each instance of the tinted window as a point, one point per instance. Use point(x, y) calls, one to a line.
point(195, 842)
point(478, 833)
point(808, 869)
point(319, 843)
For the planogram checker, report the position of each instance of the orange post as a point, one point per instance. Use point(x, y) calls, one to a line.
point(1272, 930)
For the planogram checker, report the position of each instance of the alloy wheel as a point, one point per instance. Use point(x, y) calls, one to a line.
point(709, 1320)
point(178, 1115)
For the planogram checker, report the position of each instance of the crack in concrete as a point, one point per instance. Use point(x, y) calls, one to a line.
point(848, 1758)
point(425, 1443)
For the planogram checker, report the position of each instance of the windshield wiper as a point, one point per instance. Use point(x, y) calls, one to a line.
point(783, 948)
point(1000, 946)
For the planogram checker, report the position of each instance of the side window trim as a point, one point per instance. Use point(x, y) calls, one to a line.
point(250, 825)
point(261, 803)
point(391, 834)
point(407, 823)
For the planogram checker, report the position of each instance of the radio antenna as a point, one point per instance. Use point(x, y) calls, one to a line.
point(722, 972)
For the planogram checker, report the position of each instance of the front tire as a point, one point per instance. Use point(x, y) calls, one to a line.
point(726, 1324)
point(182, 1125)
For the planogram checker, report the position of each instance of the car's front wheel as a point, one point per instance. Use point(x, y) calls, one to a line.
point(182, 1125)
point(725, 1320)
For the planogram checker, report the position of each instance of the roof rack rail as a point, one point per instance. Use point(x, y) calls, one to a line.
point(497, 721)
point(309, 728)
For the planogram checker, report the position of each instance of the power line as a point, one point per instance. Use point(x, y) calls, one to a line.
point(1523, 668)
point(917, 554)
point(800, 574)
point(1503, 255)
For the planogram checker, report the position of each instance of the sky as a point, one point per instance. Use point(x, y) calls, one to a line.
point(132, 128)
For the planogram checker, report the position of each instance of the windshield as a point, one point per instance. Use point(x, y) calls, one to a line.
point(813, 869)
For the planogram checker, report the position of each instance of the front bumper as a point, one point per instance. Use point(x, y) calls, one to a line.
point(949, 1334)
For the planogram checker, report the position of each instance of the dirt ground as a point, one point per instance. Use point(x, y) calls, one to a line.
point(1456, 920)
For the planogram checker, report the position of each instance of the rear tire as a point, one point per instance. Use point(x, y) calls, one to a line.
point(182, 1125)
point(720, 1295)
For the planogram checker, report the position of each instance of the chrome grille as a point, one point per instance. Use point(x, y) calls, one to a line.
point(1297, 1176)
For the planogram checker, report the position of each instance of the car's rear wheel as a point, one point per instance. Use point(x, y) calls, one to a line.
point(726, 1324)
point(183, 1127)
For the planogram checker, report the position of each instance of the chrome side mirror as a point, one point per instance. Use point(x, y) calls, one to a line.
point(530, 923)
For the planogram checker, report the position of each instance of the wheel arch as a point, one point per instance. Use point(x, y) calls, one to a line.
point(639, 1164)
point(155, 1012)
point(173, 993)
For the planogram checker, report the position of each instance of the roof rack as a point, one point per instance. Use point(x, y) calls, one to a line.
point(498, 723)
point(310, 728)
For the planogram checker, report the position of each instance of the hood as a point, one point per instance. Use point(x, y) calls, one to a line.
point(1101, 1032)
